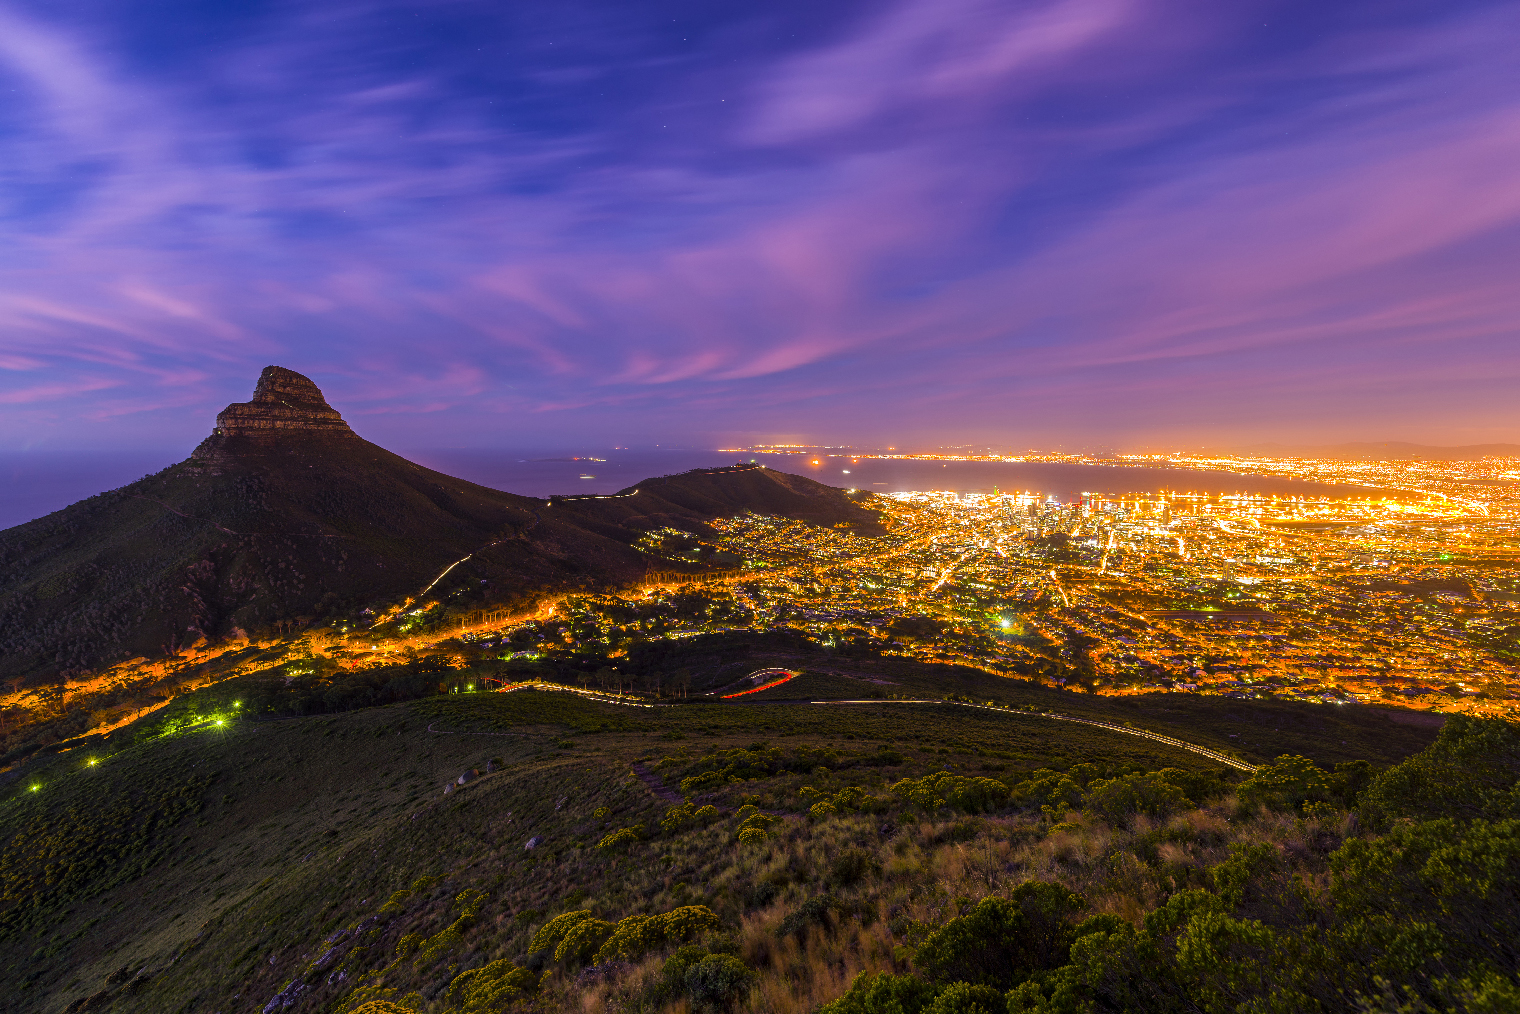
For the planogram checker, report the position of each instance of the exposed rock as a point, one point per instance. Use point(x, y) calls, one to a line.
point(283, 401)
point(533, 843)
point(285, 997)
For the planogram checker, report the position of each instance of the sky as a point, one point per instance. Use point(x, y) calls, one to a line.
point(1024, 223)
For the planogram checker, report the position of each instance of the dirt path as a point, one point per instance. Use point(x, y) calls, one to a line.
point(655, 784)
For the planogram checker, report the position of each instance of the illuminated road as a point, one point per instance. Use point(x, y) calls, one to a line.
point(1127, 730)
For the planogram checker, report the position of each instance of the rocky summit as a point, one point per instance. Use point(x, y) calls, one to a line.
point(284, 401)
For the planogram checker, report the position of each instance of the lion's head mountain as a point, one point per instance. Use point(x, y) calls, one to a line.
point(284, 515)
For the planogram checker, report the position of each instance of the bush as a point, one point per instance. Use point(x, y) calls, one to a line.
point(852, 866)
point(632, 938)
point(622, 838)
point(754, 829)
point(717, 981)
point(883, 993)
point(815, 911)
point(1471, 771)
point(489, 989)
point(974, 795)
point(1286, 784)
point(687, 922)
point(968, 998)
point(1001, 941)
point(714, 981)
point(552, 932)
point(582, 941)
point(1116, 800)
point(637, 935)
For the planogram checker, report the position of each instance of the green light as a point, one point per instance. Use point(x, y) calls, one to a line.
point(93, 762)
point(218, 721)
point(36, 787)
point(237, 704)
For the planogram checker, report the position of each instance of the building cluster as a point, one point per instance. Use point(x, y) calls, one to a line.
point(1411, 597)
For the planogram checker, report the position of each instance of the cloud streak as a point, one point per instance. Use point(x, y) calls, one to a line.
point(898, 221)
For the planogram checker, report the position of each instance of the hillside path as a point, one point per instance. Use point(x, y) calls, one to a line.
point(656, 784)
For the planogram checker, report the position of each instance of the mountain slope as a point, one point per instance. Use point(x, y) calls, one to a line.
point(694, 497)
point(284, 514)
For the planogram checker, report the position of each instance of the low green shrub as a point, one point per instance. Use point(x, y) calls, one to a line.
point(552, 932)
point(963, 792)
point(487, 990)
point(883, 993)
point(622, 838)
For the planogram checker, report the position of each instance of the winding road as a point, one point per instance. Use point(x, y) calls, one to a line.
point(1127, 730)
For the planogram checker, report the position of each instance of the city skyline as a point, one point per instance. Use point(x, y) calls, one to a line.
point(1076, 222)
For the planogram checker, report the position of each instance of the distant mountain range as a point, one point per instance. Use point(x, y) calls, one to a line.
point(284, 515)
point(1385, 450)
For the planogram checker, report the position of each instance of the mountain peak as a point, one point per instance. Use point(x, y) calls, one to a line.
point(284, 400)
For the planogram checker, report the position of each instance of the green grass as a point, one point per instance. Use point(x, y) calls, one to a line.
point(198, 861)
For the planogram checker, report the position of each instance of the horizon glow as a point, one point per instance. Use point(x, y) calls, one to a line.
point(928, 221)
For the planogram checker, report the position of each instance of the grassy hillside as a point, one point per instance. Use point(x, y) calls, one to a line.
point(200, 860)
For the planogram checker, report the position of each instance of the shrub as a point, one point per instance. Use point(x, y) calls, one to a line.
point(1116, 800)
point(687, 922)
point(1286, 784)
point(755, 828)
point(1050, 788)
point(968, 998)
point(582, 940)
point(852, 866)
point(717, 981)
point(1002, 940)
point(757, 819)
point(676, 818)
point(632, 938)
point(815, 911)
point(851, 797)
point(974, 795)
point(686, 815)
point(489, 989)
point(622, 838)
point(552, 932)
point(883, 993)
point(1470, 771)
point(637, 935)
point(820, 811)
point(470, 902)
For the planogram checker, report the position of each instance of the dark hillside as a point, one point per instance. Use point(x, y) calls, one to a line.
point(199, 861)
point(284, 515)
point(680, 501)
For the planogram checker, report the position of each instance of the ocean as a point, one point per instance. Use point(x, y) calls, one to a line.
point(35, 484)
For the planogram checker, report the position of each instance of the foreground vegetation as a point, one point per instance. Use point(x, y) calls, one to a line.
point(774, 857)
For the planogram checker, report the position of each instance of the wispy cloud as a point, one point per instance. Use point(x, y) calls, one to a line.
point(926, 214)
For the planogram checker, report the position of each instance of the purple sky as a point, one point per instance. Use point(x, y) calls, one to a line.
point(930, 221)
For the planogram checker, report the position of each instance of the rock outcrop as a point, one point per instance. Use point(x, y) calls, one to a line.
point(283, 401)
